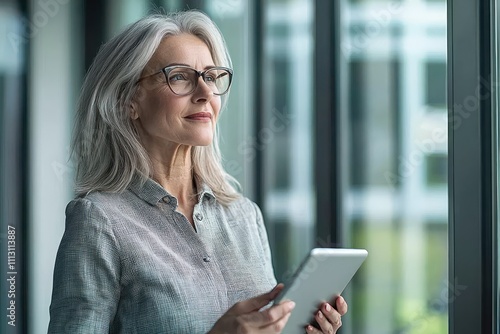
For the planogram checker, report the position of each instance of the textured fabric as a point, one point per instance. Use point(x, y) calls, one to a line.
point(130, 263)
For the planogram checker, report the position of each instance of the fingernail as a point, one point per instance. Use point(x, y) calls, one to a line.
point(309, 328)
point(328, 307)
point(320, 315)
point(291, 305)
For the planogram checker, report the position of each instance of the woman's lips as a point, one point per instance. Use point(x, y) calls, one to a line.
point(200, 116)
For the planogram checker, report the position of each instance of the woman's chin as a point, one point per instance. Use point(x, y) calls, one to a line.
point(203, 142)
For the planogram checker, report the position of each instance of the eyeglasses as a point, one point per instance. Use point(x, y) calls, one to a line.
point(183, 80)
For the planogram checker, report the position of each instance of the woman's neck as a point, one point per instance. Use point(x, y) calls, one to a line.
point(173, 170)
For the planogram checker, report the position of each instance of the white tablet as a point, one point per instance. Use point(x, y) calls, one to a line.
point(322, 276)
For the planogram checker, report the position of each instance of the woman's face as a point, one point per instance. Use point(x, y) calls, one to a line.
point(164, 119)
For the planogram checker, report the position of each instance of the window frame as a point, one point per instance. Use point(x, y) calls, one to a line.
point(471, 241)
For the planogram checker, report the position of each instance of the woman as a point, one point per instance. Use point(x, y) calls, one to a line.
point(158, 239)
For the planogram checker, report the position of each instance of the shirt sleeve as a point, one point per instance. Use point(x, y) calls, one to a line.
point(265, 246)
point(86, 286)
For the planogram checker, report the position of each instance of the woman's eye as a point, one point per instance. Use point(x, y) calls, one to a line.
point(210, 78)
point(177, 77)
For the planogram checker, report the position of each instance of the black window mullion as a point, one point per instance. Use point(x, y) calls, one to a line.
point(259, 98)
point(95, 28)
point(470, 293)
point(326, 106)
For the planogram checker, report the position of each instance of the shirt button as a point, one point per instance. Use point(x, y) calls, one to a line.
point(199, 216)
point(166, 199)
point(207, 259)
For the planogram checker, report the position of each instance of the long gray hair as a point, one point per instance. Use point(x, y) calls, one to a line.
point(105, 143)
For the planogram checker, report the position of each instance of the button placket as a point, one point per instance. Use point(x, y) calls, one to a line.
point(198, 217)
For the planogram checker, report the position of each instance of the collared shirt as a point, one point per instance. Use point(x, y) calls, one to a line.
point(131, 263)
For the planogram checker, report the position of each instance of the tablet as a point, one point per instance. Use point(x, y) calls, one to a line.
point(322, 276)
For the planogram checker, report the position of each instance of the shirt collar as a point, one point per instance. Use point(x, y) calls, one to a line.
point(152, 192)
point(149, 190)
point(204, 191)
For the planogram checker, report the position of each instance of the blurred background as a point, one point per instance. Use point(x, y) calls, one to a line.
point(336, 126)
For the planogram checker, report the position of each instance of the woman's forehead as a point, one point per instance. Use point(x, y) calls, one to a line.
point(181, 49)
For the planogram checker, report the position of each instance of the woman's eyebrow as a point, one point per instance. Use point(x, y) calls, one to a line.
point(177, 64)
point(182, 64)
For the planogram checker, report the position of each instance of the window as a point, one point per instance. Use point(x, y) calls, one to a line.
point(395, 85)
point(286, 128)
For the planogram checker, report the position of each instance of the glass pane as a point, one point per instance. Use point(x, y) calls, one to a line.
point(395, 194)
point(286, 135)
point(55, 75)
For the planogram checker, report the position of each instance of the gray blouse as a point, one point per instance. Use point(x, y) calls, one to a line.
point(130, 263)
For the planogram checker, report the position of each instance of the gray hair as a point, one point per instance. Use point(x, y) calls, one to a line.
point(105, 143)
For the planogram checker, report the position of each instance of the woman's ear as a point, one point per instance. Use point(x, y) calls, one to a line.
point(134, 114)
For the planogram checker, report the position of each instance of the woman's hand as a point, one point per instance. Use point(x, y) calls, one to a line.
point(245, 318)
point(328, 318)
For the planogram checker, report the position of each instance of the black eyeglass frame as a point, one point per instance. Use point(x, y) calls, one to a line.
point(166, 70)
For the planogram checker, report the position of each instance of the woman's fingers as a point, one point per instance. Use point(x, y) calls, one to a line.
point(246, 316)
point(329, 320)
point(270, 316)
point(256, 303)
point(341, 305)
point(332, 315)
point(278, 326)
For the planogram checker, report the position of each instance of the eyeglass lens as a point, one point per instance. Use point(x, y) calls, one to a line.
point(184, 80)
